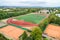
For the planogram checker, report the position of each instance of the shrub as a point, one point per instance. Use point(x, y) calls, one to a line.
point(36, 34)
point(23, 36)
point(2, 37)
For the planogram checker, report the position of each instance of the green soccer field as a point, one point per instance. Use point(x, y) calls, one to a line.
point(31, 18)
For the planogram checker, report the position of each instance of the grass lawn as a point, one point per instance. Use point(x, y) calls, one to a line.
point(31, 18)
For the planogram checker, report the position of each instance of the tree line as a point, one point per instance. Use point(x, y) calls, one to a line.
point(16, 12)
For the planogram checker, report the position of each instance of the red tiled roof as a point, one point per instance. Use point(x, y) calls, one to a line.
point(53, 31)
point(21, 23)
point(12, 31)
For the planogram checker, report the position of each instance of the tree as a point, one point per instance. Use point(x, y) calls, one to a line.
point(45, 39)
point(23, 36)
point(54, 19)
point(2, 37)
point(43, 24)
point(29, 38)
point(36, 34)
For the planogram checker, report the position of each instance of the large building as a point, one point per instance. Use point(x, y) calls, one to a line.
point(44, 11)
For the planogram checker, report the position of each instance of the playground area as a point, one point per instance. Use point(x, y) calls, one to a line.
point(32, 18)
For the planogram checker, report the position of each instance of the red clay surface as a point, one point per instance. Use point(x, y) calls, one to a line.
point(53, 31)
point(20, 23)
point(12, 32)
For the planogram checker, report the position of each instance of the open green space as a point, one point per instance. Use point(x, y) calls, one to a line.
point(31, 18)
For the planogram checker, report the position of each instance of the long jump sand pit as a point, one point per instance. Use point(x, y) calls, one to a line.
point(12, 32)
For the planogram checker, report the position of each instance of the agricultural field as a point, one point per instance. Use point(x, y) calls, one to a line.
point(33, 18)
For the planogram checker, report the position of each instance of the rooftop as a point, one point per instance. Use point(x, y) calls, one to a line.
point(53, 31)
point(12, 31)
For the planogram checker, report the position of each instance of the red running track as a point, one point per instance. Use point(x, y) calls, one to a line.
point(21, 23)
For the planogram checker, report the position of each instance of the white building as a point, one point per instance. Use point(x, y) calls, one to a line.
point(44, 11)
point(58, 15)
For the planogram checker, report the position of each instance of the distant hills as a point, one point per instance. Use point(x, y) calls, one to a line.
point(26, 7)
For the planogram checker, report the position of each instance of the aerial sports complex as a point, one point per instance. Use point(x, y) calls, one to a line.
point(16, 26)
